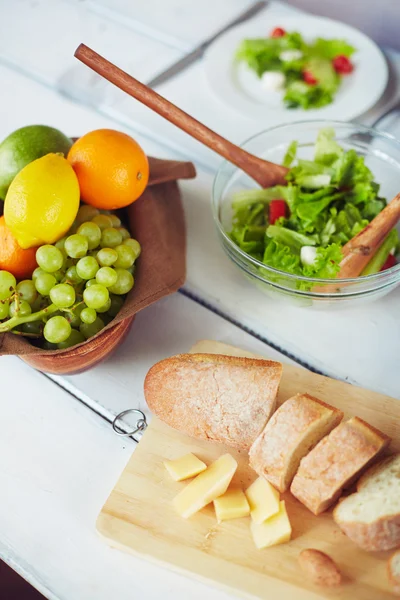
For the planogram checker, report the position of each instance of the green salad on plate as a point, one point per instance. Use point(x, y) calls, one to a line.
point(310, 74)
point(301, 228)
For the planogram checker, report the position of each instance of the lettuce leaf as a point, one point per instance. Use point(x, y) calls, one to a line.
point(300, 94)
point(290, 154)
point(293, 239)
point(331, 48)
point(327, 150)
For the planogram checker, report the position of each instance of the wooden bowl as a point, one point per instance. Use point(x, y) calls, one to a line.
point(83, 357)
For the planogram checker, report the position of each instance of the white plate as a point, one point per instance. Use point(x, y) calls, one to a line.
point(240, 88)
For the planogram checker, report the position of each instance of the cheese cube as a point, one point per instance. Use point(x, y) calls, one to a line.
point(206, 487)
point(263, 499)
point(232, 505)
point(185, 467)
point(275, 530)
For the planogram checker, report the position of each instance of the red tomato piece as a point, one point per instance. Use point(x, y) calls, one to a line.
point(278, 32)
point(390, 262)
point(342, 65)
point(277, 209)
point(309, 78)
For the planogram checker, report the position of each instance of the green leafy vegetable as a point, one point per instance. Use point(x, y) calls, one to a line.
point(268, 54)
point(330, 200)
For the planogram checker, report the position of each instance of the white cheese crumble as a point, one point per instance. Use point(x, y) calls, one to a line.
point(290, 55)
point(272, 80)
point(308, 254)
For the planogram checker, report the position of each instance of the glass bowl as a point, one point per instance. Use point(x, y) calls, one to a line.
point(382, 155)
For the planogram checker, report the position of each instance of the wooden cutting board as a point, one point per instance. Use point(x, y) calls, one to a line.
point(138, 516)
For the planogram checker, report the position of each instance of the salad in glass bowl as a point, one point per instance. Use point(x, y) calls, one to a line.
point(310, 74)
point(293, 240)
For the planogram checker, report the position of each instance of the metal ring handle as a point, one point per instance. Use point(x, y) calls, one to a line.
point(141, 423)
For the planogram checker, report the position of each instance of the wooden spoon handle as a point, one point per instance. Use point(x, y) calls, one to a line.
point(262, 171)
point(359, 250)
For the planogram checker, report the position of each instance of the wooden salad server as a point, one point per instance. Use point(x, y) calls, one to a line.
point(265, 173)
point(360, 249)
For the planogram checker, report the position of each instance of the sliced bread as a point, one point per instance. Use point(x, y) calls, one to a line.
point(371, 516)
point(296, 427)
point(214, 397)
point(394, 571)
point(335, 462)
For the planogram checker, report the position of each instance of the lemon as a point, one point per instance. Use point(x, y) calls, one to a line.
point(42, 201)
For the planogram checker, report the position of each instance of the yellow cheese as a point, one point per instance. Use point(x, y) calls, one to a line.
point(275, 530)
point(232, 505)
point(263, 499)
point(206, 487)
point(185, 467)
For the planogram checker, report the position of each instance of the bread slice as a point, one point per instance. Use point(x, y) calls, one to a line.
point(393, 568)
point(371, 516)
point(335, 462)
point(295, 428)
point(214, 397)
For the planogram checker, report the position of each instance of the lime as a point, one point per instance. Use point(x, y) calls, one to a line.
point(25, 145)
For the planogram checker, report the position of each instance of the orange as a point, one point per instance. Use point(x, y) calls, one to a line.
point(111, 167)
point(21, 263)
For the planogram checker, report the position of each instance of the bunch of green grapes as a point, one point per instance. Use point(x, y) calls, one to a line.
point(78, 287)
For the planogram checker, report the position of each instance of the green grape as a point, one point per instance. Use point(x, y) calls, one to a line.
point(24, 309)
point(38, 271)
point(62, 295)
point(57, 330)
point(105, 308)
point(59, 275)
point(87, 267)
point(103, 221)
point(38, 304)
point(107, 257)
point(88, 315)
point(90, 329)
point(125, 233)
point(4, 308)
point(90, 282)
point(48, 346)
point(92, 232)
point(116, 221)
point(106, 276)
point(95, 296)
point(76, 245)
point(33, 327)
point(76, 337)
point(49, 258)
point(61, 243)
point(126, 256)
point(124, 282)
point(116, 305)
point(74, 317)
point(132, 269)
point(86, 213)
point(44, 283)
point(134, 244)
point(27, 291)
point(110, 238)
point(72, 275)
point(7, 284)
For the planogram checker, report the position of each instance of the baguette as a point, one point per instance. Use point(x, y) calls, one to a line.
point(295, 428)
point(335, 462)
point(393, 568)
point(214, 397)
point(371, 516)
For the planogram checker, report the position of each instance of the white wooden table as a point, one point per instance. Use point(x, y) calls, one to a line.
point(60, 457)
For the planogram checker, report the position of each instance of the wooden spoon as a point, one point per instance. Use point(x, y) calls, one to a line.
point(265, 173)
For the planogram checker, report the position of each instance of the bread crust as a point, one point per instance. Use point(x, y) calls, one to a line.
point(394, 573)
point(320, 567)
point(384, 532)
point(214, 397)
point(293, 430)
point(335, 462)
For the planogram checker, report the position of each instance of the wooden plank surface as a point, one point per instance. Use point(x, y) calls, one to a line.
point(138, 515)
